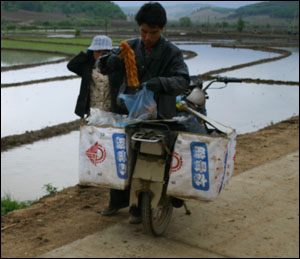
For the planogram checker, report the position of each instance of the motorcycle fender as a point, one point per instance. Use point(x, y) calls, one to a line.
point(151, 169)
point(138, 186)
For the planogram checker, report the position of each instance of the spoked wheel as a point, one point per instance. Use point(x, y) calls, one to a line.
point(155, 221)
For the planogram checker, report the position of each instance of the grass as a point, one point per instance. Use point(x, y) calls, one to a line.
point(50, 189)
point(68, 49)
point(50, 44)
point(81, 41)
point(8, 204)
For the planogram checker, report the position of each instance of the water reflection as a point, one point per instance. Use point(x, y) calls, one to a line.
point(286, 69)
point(25, 170)
point(250, 107)
point(36, 106)
point(15, 57)
point(35, 73)
point(215, 58)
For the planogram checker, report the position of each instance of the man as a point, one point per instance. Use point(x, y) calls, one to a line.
point(160, 64)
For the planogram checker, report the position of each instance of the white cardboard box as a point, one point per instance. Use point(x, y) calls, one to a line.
point(201, 165)
point(103, 157)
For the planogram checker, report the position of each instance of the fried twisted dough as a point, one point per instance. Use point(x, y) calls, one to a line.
point(131, 70)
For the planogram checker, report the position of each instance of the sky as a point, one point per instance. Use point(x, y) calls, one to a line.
point(228, 4)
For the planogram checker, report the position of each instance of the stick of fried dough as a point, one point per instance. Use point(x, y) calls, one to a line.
point(129, 58)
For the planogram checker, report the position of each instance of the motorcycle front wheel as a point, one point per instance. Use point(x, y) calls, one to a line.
point(155, 221)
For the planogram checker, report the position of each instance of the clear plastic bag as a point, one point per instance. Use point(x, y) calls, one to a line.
point(103, 118)
point(141, 106)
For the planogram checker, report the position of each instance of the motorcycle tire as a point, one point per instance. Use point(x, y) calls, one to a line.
point(155, 221)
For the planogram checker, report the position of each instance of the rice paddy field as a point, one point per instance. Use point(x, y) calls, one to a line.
point(56, 45)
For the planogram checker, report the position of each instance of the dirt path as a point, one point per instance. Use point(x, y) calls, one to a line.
point(73, 213)
point(246, 221)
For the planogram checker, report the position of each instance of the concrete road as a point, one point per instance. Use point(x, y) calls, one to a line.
point(256, 215)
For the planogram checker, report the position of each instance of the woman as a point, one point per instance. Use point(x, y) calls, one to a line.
point(94, 88)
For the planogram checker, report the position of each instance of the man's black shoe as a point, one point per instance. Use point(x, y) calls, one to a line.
point(135, 219)
point(109, 211)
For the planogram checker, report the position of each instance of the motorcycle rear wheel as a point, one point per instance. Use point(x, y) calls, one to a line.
point(155, 221)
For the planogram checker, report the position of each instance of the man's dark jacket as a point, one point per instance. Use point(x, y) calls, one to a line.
point(164, 61)
point(82, 65)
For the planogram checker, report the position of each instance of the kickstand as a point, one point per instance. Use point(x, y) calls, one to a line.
point(187, 211)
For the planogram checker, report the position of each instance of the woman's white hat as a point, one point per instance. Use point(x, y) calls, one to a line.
point(101, 43)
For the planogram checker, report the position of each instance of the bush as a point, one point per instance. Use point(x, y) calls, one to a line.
point(185, 21)
point(77, 32)
point(240, 24)
point(50, 189)
point(8, 205)
point(10, 26)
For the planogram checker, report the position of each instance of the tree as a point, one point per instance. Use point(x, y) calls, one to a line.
point(185, 21)
point(10, 27)
point(240, 24)
point(224, 24)
point(77, 32)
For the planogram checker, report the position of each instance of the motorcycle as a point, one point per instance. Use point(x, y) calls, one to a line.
point(151, 151)
point(146, 157)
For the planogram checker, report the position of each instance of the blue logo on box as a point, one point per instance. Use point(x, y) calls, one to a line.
point(200, 167)
point(119, 140)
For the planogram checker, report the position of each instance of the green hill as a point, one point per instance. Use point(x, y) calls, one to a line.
point(273, 13)
point(215, 14)
point(90, 9)
point(274, 9)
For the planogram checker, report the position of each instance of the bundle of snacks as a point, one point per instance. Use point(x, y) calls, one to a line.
point(129, 58)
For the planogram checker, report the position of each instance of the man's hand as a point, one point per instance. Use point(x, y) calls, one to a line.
point(154, 85)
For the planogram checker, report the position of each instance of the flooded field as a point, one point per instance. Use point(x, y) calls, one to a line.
point(210, 58)
point(245, 107)
point(286, 69)
point(14, 57)
point(250, 107)
point(25, 170)
point(35, 73)
point(36, 106)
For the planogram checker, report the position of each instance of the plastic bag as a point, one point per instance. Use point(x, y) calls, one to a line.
point(141, 106)
point(102, 118)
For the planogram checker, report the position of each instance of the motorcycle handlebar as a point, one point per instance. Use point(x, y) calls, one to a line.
point(223, 80)
point(228, 80)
